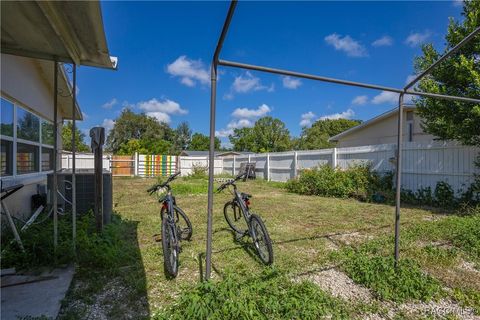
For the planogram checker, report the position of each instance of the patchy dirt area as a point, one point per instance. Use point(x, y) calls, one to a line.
point(104, 305)
point(339, 285)
point(352, 238)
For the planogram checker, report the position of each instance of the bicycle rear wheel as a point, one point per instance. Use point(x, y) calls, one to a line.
point(170, 248)
point(233, 215)
point(261, 239)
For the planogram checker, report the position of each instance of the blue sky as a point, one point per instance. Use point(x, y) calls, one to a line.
point(165, 48)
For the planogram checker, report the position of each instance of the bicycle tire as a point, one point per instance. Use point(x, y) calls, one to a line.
point(186, 232)
point(233, 213)
point(261, 239)
point(170, 249)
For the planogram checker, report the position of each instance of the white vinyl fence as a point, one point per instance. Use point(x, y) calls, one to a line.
point(83, 161)
point(423, 165)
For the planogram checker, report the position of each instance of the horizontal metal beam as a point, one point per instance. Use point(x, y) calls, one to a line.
point(442, 58)
point(343, 82)
point(306, 76)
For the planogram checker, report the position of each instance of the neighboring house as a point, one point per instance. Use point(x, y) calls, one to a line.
point(383, 129)
point(34, 35)
point(220, 154)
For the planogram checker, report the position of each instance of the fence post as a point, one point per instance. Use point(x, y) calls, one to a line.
point(233, 166)
point(295, 165)
point(248, 158)
point(135, 170)
point(268, 167)
point(334, 158)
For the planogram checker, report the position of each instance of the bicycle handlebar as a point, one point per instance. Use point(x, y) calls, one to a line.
point(226, 184)
point(162, 185)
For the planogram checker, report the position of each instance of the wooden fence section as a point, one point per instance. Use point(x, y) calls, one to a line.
point(423, 165)
point(122, 166)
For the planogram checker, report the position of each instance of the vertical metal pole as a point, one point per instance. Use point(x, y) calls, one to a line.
point(55, 152)
point(233, 169)
point(399, 177)
point(295, 164)
point(334, 158)
point(74, 149)
point(268, 167)
point(211, 164)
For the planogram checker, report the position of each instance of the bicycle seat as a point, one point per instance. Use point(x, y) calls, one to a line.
point(245, 195)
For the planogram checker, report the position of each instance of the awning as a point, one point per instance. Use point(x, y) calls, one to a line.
point(65, 31)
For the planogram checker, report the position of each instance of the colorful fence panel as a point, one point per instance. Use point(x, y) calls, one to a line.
point(156, 165)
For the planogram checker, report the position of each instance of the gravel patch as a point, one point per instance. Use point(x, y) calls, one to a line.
point(351, 238)
point(469, 267)
point(338, 284)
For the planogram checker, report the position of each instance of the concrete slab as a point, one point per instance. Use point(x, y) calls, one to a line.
point(37, 299)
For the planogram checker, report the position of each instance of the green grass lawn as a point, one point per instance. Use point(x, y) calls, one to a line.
point(310, 234)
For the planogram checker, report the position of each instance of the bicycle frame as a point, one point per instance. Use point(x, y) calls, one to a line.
point(244, 209)
point(170, 215)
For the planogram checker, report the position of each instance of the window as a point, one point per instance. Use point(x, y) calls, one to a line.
point(28, 126)
point(6, 111)
point(6, 167)
point(47, 132)
point(47, 159)
point(410, 131)
point(27, 158)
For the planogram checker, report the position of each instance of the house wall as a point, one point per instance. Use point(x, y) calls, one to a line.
point(24, 84)
point(384, 132)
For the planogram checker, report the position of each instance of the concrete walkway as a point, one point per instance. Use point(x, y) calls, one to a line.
point(35, 299)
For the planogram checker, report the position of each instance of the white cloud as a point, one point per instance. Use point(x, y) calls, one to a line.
point(110, 104)
point(346, 44)
point(384, 41)
point(291, 83)
point(385, 97)
point(360, 100)
point(348, 114)
point(251, 113)
point(161, 110)
point(190, 71)
point(417, 38)
point(108, 125)
point(247, 83)
point(307, 119)
point(244, 117)
point(235, 124)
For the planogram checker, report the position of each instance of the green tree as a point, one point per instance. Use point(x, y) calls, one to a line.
point(130, 125)
point(144, 146)
point(201, 142)
point(458, 75)
point(242, 139)
point(316, 136)
point(80, 144)
point(182, 136)
point(267, 135)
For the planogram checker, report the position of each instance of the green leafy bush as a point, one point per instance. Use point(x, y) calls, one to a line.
point(271, 295)
point(357, 181)
point(96, 251)
point(406, 282)
point(444, 195)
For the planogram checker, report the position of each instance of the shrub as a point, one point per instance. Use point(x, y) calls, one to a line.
point(357, 181)
point(198, 172)
point(444, 195)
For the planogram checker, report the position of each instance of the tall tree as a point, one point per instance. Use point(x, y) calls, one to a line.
point(80, 144)
point(130, 125)
point(201, 142)
point(316, 136)
point(459, 75)
point(267, 135)
point(182, 136)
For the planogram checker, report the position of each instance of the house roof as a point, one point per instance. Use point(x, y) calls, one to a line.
point(370, 122)
point(63, 31)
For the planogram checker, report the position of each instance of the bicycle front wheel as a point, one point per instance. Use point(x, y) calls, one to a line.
point(261, 239)
point(234, 217)
point(170, 248)
point(184, 226)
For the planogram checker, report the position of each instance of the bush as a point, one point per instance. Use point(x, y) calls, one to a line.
point(357, 181)
point(198, 172)
point(444, 195)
